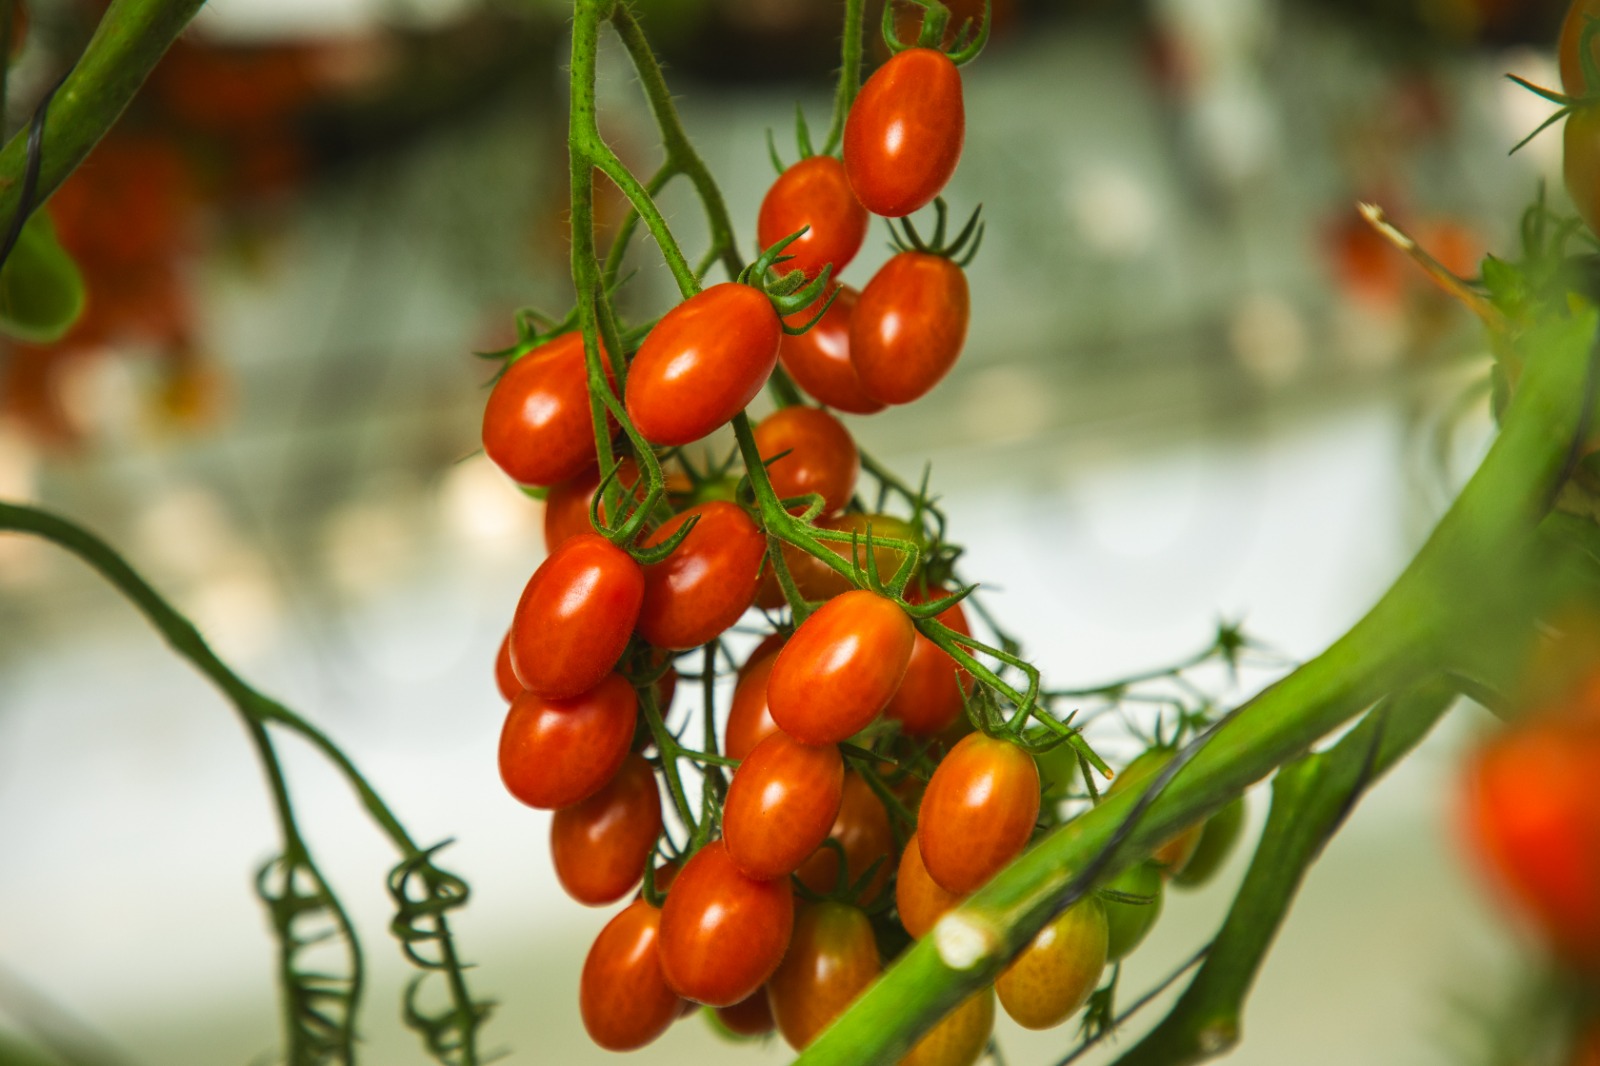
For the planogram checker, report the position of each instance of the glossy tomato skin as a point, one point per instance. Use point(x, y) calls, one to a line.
point(1173, 855)
point(722, 933)
point(566, 508)
point(931, 696)
point(600, 847)
point(751, 1016)
point(704, 361)
point(909, 326)
point(783, 800)
point(978, 812)
point(708, 581)
point(832, 957)
point(537, 425)
point(622, 994)
point(840, 668)
point(863, 832)
point(819, 359)
point(814, 195)
point(575, 616)
point(505, 678)
point(554, 753)
point(750, 720)
point(920, 900)
point(1054, 975)
point(1581, 165)
point(818, 456)
point(903, 136)
point(960, 1038)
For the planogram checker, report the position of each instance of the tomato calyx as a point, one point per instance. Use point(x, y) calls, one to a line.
point(802, 140)
point(790, 293)
point(960, 250)
point(966, 46)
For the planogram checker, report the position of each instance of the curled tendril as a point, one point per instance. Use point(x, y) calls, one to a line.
point(319, 1006)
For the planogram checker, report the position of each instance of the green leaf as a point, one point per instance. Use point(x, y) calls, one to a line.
point(41, 288)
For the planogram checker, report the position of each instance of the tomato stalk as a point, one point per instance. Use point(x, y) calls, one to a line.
point(849, 73)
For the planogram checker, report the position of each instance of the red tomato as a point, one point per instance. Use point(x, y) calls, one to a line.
point(920, 900)
point(505, 678)
point(1054, 975)
point(749, 720)
point(1174, 855)
point(751, 1016)
point(566, 508)
point(813, 193)
point(832, 957)
point(978, 811)
point(930, 697)
point(909, 326)
point(537, 426)
point(702, 588)
point(622, 995)
point(862, 830)
point(554, 753)
point(840, 668)
point(600, 846)
point(821, 459)
point(702, 363)
point(1582, 163)
point(781, 804)
point(722, 933)
point(1569, 49)
point(819, 358)
point(959, 1039)
point(575, 616)
point(903, 136)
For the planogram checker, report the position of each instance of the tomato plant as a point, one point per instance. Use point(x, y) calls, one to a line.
point(863, 833)
point(819, 359)
point(920, 899)
point(536, 425)
point(978, 812)
point(932, 693)
point(722, 933)
point(1053, 976)
point(575, 616)
point(623, 997)
point(840, 668)
point(909, 325)
point(809, 451)
point(960, 1037)
point(832, 957)
point(781, 805)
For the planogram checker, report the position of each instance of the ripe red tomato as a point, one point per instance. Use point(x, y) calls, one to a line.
point(537, 425)
point(702, 588)
point(978, 811)
point(751, 1016)
point(840, 668)
point(554, 753)
point(575, 616)
point(821, 459)
point(1175, 854)
point(1054, 975)
point(600, 846)
point(930, 697)
point(566, 507)
point(702, 363)
point(1569, 49)
point(622, 995)
point(909, 326)
point(722, 933)
point(819, 358)
point(1581, 166)
point(749, 720)
point(903, 136)
point(862, 830)
point(920, 900)
point(505, 678)
point(781, 804)
point(832, 957)
point(960, 1038)
point(813, 193)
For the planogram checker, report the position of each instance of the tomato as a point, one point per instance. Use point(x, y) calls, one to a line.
point(960, 1037)
point(722, 933)
point(554, 753)
point(909, 326)
point(1586, 1045)
point(537, 425)
point(600, 846)
point(819, 358)
point(920, 900)
point(1582, 164)
point(832, 957)
point(1218, 836)
point(840, 668)
point(1173, 855)
point(821, 456)
point(751, 1016)
point(978, 811)
point(1054, 975)
point(862, 830)
point(813, 193)
point(749, 720)
point(816, 580)
point(903, 136)
point(781, 804)
point(1128, 922)
point(702, 363)
point(622, 995)
point(1569, 49)
point(566, 508)
point(931, 695)
point(505, 678)
point(575, 616)
point(708, 581)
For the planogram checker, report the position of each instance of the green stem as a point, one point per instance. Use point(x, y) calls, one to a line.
point(849, 73)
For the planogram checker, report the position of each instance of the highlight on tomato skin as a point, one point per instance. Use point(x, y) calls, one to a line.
point(537, 424)
point(554, 753)
point(841, 667)
point(575, 616)
point(700, 590)
point(813, 195)
point(978, 812)
point(722, 933)
point(909, 326)
point(819, 359)
point(623, 997)
point(904, 133)
point(809, 451)
point(781, 804)
point(919, 899)
point(1055, 974)
point(600, 846)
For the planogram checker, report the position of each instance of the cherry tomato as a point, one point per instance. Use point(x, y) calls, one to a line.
point(978, 811)
point(505, 678)
point(931, 695)
point(781, 804)
point(566, 507)
point(1569, 48)
point(960, 1037)
point(537, 425)
point(818, 455)
point(554, 753)
point(702, 363)
point(862, 830)
point(813, 193)
point(708, 581)
point(1217, 839)
point(1175, 854)
point(751, 1016)
point(749, 720)
point(903, 136)
point(600, 846)
point(1582, 163)
point(1129, 922)
point(575, 616)
point(832, 957)
point(816, 580)
point(909, 326)
point(840, 668)
point(920, 900)
point(622, 995)
point(722, 933)
point(819, 358)
point(1054, 975)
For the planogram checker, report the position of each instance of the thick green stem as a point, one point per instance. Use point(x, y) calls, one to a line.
point(849, 73)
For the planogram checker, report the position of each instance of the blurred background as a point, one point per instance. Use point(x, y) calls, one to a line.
point(1197, 386)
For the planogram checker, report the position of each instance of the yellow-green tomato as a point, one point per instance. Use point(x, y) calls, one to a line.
point(1128, 921)
point(960, 1038)
point(41, 289)
point(832, 956)
point(1054, 975)
point(1216, 844)
point(1175, 854)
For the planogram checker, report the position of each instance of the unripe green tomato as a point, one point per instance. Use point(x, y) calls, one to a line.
point(1058, 770)
point(1054, 975)
point(1217, 841)
point(41, 290)
point(1128, 923)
